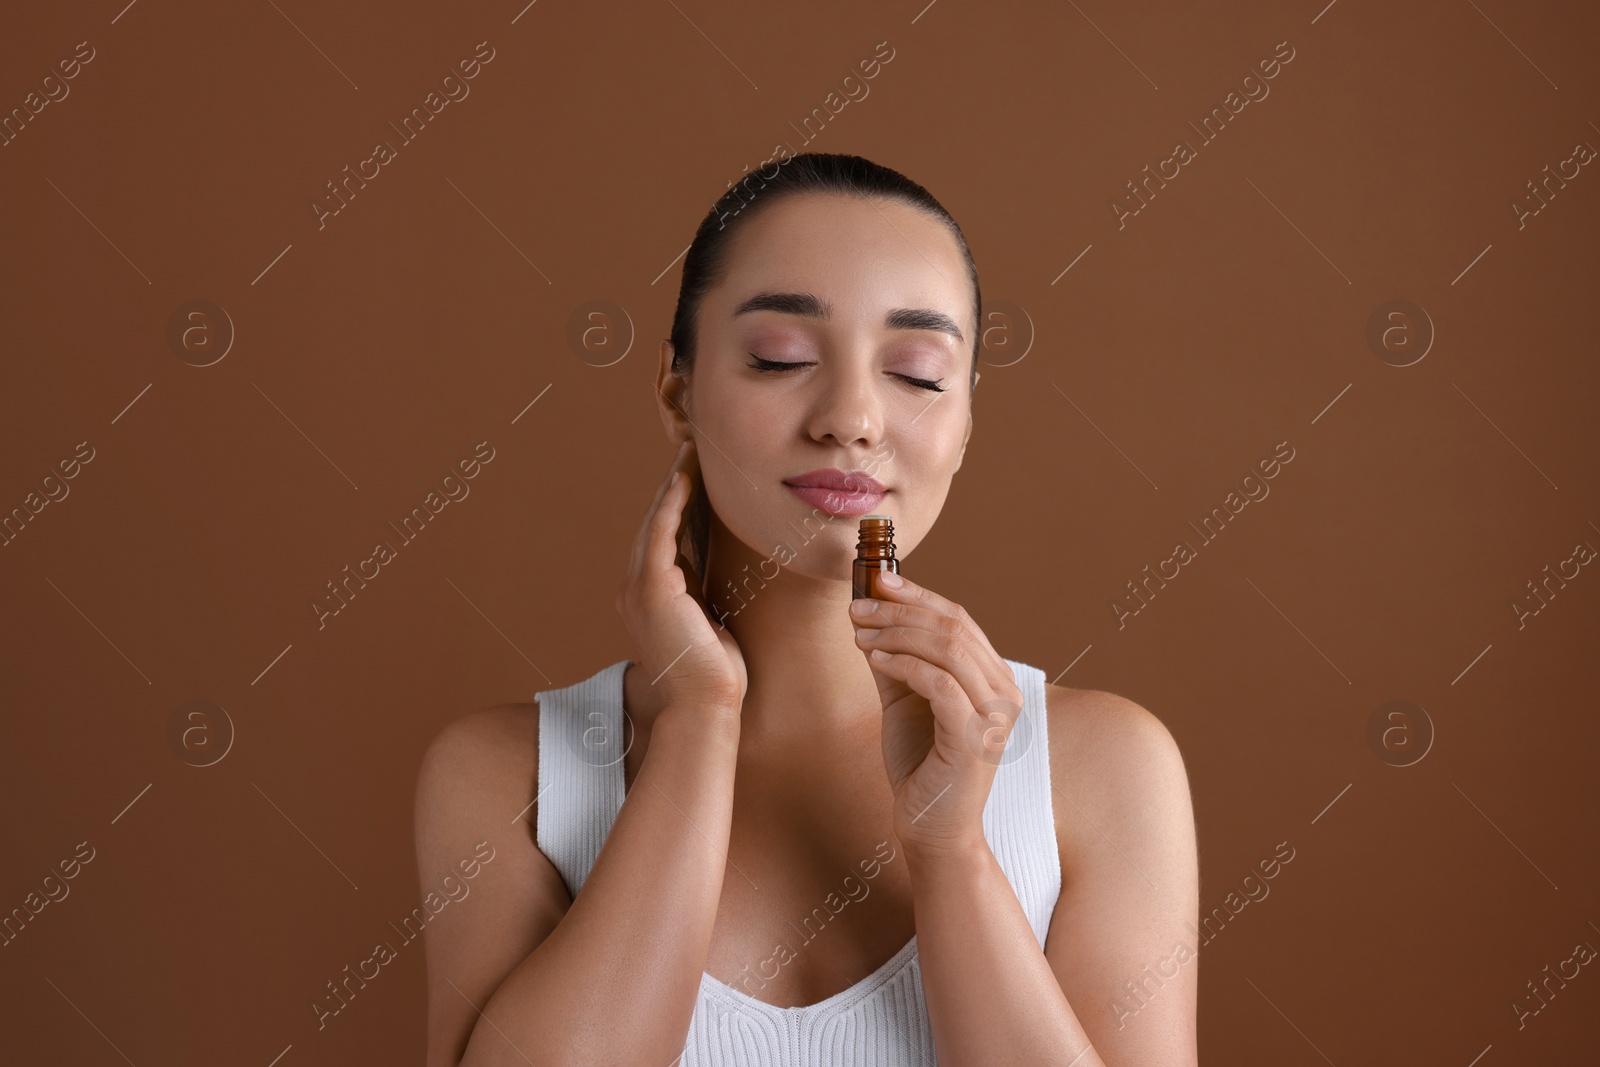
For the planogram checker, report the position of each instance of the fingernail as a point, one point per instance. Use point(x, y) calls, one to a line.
point(863, 607)
point(682, 448)
point(891, 579)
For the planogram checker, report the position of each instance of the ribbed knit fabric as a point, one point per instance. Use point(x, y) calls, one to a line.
point(881, 1020)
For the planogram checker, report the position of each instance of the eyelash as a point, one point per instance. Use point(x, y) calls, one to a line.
point(768, 365)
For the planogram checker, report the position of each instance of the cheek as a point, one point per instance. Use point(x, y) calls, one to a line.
point(742, 411)
point(740, 453)
point(927, 449)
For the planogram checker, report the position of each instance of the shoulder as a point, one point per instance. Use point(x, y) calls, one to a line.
point(487, 757)
point(1130, 876)
point(1094, 722)
point(480, 777)
point(1117, 773)
point(498, 737)
point(474, 810)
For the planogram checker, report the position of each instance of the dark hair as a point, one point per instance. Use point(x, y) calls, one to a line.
point(705, 264)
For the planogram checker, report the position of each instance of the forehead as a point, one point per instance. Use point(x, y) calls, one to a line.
point(859, 256)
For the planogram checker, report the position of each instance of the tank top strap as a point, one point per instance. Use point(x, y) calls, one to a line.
point(582, 741)
point(1019, 815)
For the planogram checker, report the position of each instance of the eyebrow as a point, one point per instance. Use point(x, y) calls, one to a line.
point(811, 307)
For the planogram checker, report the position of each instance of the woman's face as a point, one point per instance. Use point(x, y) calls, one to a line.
point(876, 306)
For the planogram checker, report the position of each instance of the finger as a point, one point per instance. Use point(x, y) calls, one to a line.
point(661, 549)
point(936, 624)
point(915, 595)
point(682, 558)
point(953, 654)
point(983, 732)
point(642, 539)
point(692, 489)
point(952, 707)
point(664, 550)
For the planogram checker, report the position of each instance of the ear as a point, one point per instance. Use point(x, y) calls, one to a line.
point(962, 454)
point(670, 397)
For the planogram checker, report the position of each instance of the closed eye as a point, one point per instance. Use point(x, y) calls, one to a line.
point(768, 365)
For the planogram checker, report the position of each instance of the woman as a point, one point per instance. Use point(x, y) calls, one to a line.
point(802, 834)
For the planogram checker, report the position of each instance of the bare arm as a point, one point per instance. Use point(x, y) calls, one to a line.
point(529, 975)
point(518, 972)
point(994, 997)
point(1121, 940)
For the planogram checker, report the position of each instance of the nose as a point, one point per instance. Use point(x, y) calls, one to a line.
point(848, 409)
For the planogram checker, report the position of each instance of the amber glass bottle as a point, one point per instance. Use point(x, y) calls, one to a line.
point(874, 555)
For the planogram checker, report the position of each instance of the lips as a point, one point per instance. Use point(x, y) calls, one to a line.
point(839, 492)
point(831, 478)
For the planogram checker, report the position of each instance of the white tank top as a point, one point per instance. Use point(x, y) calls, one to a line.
point(882, 1020)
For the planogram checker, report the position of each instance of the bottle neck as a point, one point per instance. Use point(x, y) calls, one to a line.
point(876, 539)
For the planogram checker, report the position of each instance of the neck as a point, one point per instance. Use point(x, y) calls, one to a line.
point(789, 612)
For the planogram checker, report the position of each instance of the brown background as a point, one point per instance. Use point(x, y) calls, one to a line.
point(1229, 315)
